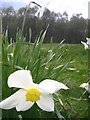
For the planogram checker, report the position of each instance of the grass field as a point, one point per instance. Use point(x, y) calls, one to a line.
point(75, 74)
point(74, 78)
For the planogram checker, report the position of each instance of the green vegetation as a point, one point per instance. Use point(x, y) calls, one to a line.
point(74, 78)
point(63, 62)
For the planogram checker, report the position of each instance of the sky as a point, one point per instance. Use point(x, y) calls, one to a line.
point(71, 6)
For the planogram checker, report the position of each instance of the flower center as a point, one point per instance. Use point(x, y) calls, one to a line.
point(33, 95)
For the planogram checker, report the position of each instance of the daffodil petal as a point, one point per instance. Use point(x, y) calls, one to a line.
point(40, 12)
point(46, 102)
point(41, 89)
point(88, 41)
point(20, 79)
point(52, 86)
point(85, 44)
point(83, 85)
point(36, 14)
point(11, 101)
point(23, 104)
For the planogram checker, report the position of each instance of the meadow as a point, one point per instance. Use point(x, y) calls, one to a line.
point(73, 76)
point(74, 58)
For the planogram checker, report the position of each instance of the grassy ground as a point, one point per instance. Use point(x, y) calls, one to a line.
point(74, 78)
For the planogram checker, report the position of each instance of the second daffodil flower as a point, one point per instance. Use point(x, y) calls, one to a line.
point(87, 44)
point(41, 10)
point(86, 86)
point(29, 92)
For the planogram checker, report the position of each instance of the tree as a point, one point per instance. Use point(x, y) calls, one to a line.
point(21, 11)
point(77, 29)
point(10, 11)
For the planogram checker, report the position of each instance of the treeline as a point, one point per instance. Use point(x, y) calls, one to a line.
point(73, 30)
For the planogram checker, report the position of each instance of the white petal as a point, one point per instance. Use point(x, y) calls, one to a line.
point(40, 12)
point(17, 100)
point(36, 14)
point(11, 101)
point(88, 41)
point(83, 85)
point(24, 105)
point(46, 102)
point(85, 44)
point(88, 89)
point(52, 86)
point(41, 89)
point(20, 79)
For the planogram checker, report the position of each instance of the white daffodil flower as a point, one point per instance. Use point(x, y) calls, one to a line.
point(29, 92)
point(86, 45)
point(40, 12)
point(85, 86)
